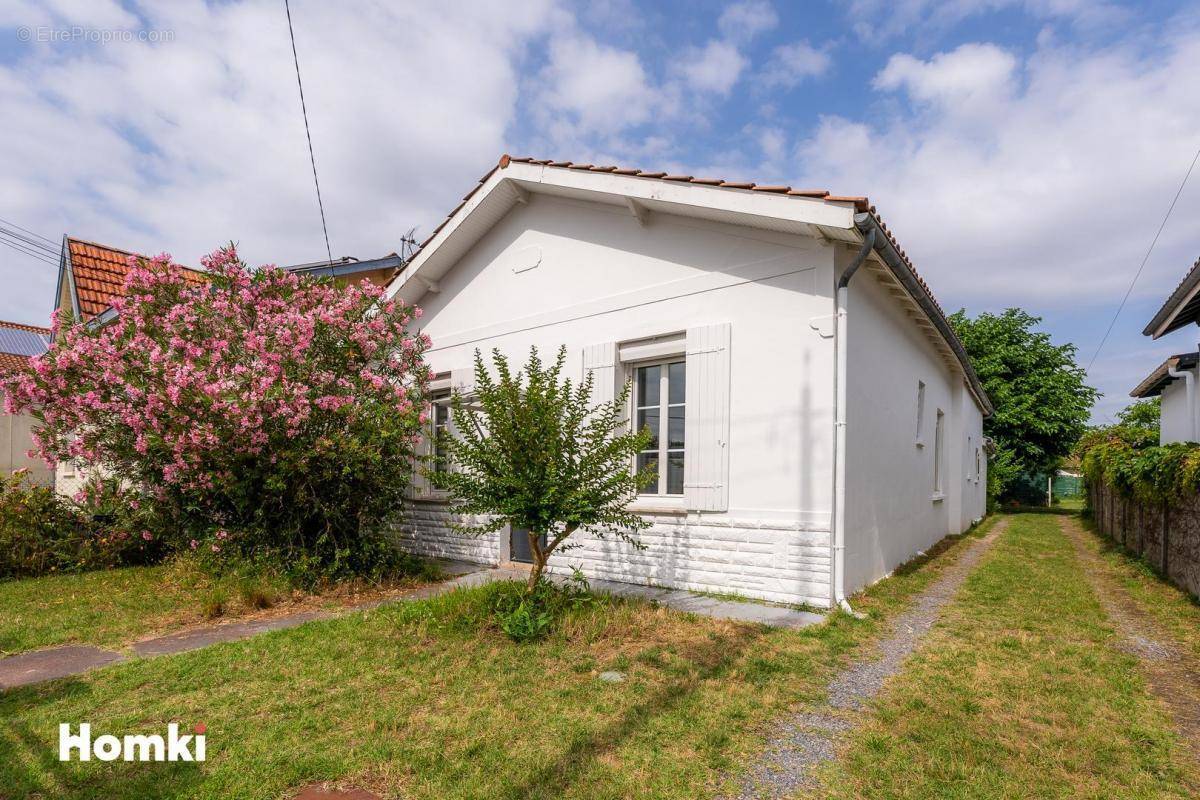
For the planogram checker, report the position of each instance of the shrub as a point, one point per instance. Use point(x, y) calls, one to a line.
point(41, 532)
point(281, 410)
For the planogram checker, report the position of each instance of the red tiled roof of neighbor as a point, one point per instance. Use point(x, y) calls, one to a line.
point(11, 361)
point(861, 203)
point(99, 272)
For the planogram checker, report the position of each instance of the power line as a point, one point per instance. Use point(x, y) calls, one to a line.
point(31, 233)
point(31, 242)
point(1145, 258)
point(307, 134)
point(31, 253)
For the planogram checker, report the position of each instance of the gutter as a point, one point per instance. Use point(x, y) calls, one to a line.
point(837, 533)
point(903, 271)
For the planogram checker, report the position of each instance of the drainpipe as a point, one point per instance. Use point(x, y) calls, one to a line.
point(1190, 382)
point(837, 535)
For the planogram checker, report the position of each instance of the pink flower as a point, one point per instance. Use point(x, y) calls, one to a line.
point(193, 544)
point(147, 535)
point(222, 534)
point(216, 548)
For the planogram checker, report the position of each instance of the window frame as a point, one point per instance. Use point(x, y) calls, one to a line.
point(920, 437)
point(664, 405)
point(939, 445)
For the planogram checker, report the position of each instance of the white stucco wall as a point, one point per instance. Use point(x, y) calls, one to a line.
point(602, 277)
point(16, 439)
point(892, 510)
point(1176, 425)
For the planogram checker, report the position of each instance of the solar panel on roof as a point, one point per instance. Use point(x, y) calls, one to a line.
point(23, 343)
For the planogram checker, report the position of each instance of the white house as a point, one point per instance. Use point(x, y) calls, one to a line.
point(811, 437)
point(1175, 379)
point(18, 343)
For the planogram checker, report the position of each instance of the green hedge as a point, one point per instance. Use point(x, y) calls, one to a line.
point(1136, 468)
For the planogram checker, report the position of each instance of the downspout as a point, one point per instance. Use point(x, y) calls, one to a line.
point(837, 536)
point(1190, 383)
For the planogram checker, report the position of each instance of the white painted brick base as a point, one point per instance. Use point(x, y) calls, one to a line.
point(769, 560)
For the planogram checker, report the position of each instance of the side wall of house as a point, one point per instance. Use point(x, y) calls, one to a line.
point(564, 272)
point(894, 504)
point(16, 438)
point(1176, 424)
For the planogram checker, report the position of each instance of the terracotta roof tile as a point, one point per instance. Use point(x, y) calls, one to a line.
point(99, 273)
point(11, 361)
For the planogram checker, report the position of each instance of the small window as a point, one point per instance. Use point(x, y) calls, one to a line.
point(978, 465)
point(659, 403)
point(439, 426)
point(937, 454)
point(920, 414)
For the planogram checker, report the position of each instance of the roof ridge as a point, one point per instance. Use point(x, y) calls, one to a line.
point(22, 326)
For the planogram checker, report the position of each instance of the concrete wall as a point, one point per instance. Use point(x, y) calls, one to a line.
point(1176, 424)
point(15, 440)
point(1167, 536)
point(598, 276)
point(892, 508)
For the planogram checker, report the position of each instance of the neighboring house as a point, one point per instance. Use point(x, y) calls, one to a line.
point(1175, 379)
point(90, 276)
point(18, 343)
point(810, 439)
point(348, 269)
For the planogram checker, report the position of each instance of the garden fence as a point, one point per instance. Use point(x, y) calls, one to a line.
point(1165, 535)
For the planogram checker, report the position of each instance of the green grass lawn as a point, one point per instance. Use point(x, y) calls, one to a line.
point(428, 700)
point(1171, 607)
point(1018, 692)
point(113, 607)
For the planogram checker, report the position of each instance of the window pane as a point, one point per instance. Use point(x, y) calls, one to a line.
point(677, 382)
point(649, 461)
point(648, 389)
point(648, 418)
point(675, 427)
point(675, 473)
point(442, 412)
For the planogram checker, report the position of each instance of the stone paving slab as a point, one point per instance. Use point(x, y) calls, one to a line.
point(58, 662)
point(228, 632)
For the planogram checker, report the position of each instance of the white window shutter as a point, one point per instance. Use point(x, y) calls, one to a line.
point(706, 464)
point(601, 361)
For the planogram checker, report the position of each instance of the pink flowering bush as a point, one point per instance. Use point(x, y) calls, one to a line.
point(280, 410)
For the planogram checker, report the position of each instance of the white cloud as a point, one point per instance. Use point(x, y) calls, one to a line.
point(879, 19)
point(714, 68)
point(791, 63)
point(180, 145)
point(743, 21)
point(595, 88)
point(970, 75)
point(1036, 182)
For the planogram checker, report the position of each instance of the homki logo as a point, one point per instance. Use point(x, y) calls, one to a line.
point(132, 747)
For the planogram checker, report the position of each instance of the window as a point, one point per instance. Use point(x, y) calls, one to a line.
point(937, 455)
point(659, 395)
point(978, 465)
point(920, 414)
point(439, 425)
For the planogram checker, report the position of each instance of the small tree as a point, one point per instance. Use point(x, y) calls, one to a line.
point(532, 451)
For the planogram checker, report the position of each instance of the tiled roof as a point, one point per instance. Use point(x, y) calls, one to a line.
point(99, 272)
point(861, 203)
point(1154, 383)
point(18, 342)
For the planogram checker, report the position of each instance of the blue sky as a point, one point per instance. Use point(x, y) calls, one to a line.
point(1024, 151)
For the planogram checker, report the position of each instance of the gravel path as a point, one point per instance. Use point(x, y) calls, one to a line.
point(1172, 672)
point(805, 740)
